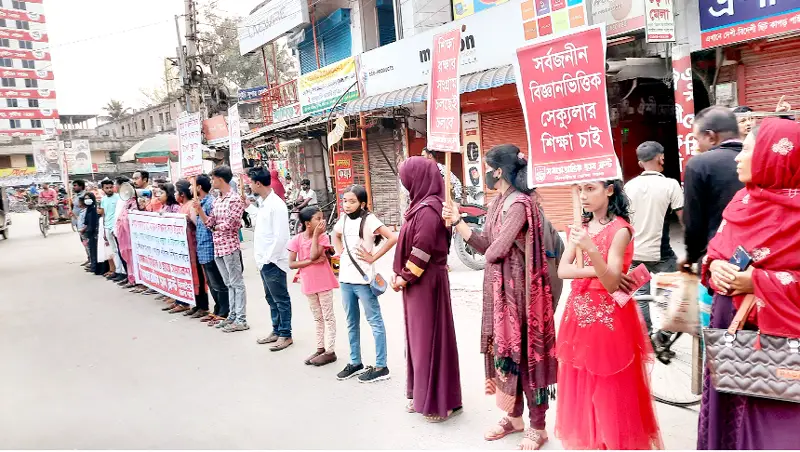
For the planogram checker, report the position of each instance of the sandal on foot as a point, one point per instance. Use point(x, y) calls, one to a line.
point(450, 414)
point(208, 318)
point(178, 309)
point(508, 428)
point(533, 436)
point(170, 307)
point(410, 406)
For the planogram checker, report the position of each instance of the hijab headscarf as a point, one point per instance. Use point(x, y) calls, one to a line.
point(764, 218)
point(277, 186)
point(424, 183)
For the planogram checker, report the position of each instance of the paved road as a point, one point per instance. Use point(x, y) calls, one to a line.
point(87, 365)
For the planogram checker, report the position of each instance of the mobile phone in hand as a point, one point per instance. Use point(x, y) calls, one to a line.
point(741, 258)
point(641, 276)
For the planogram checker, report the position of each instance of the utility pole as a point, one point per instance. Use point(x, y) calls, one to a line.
point(192, 83)
point(182, 66)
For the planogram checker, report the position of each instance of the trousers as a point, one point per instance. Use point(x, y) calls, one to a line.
point(230, 268)
point(325, 320)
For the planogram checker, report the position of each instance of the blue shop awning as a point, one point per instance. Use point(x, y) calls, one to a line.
point(491, 78)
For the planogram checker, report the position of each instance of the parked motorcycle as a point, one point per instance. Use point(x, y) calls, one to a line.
point(475, 216)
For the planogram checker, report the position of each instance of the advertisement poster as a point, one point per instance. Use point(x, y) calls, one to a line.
point(79, 158)
point(562, 85)
point(473, 165)
point(343, 165)
point(161, 254)
point(551, 17)
point(320, 89)
point(46, 157)
point(444, 101)
point(190, 139)
point(659, 21)
point(724, 22)
point(235, 139)
point(619, 16)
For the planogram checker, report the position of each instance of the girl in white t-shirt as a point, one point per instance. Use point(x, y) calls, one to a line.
point(357, 239)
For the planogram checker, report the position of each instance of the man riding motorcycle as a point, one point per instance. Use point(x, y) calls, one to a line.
point(48, 198)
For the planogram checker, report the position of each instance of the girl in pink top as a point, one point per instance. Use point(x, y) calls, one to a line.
point(308, 253)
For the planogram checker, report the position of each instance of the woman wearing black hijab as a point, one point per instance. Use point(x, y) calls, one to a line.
point(92, 222)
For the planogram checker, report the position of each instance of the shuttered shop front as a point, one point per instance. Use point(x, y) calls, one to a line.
point(383, 158)
point(508, 126)
point(770, 71)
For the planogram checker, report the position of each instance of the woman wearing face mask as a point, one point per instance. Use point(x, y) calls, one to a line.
point(518, 330)
point(356, 237)
point(420, 264)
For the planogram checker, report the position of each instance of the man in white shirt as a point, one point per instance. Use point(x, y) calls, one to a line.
point(306, 196)
point(652, 197)
point(270, 237)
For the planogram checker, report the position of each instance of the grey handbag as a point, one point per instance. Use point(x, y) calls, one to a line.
point(746, 362)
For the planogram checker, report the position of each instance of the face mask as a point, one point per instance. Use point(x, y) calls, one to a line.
point(88, 202)
point(355, 214)
point(491, 181)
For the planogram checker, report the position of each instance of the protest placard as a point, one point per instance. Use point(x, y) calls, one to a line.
point(235, 139)
point(190, 128)
point(161, 259)
point(444, 104)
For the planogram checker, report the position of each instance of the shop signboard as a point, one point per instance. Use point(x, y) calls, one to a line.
point(286, 113)
point(444, 100)
point(473, 167)
point(270, 22)
point(343, 165)
point(17, 177)
point(321, 89)
point(659, 21)
point(16, 113)
point(190, 142)
point(215, 128)
point(39, 74)
point(25, 54)
point(24, 35)
point(562, 86)
point(41, 93)
point(551, 17)
point(251, 95)
point(724, 22)
point(13, 14)
point(488, 41)
point(464, 8)
point(684, 102)
point(235, 140)
point(620, 16)
point(161, 259)
point(78, 155)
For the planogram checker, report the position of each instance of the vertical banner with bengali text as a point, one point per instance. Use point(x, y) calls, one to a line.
point(562, 85)
point(190, 128)
point(684, 102)
point(444, 99)
point(343, 165)
point(161, 259)
point(473, 166)
point(235, 139)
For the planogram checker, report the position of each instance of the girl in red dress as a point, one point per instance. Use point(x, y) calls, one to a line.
point(602, 347)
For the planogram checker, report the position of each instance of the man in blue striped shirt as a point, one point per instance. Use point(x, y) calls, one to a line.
point(205, 255)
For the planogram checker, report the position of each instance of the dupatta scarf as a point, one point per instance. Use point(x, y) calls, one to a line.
point(764, 218)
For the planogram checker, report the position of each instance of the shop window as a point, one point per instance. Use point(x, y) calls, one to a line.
point(28, 64)
point(15, 123)
point(9, 82)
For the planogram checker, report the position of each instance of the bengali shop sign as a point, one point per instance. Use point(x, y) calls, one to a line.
point(724, 22)
point(343, 165)
point(161, 259)
point(190, 139)
point(321, 89)
point(659, 21)
point(561, 82)
point(684, 102)
point(444, 104)
point(235, 139)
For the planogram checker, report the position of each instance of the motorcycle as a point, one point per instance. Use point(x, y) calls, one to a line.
point(473, 215)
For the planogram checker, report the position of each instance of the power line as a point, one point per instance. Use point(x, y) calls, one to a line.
point(92, 38)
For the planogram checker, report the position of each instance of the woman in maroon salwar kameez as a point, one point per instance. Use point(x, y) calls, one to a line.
point(420, 265)
point(518, 330)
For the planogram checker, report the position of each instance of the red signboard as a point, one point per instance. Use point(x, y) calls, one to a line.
point(24, 35)
point(22, 133)
point(27, 73)
point(12, 14)
point(562, 85)
point(444, 106)
point(684, 101)
point(25, 54)
point(13, 93)
point(43, 113)
point(215, 128)
point(343, 165)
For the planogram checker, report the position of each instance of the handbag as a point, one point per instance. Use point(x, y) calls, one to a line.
point(678, 290)
point(378, 284)
point(746, 362)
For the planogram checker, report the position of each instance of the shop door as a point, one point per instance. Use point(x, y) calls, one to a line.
point(771, 73)
point(383, 176)
point(508, 126)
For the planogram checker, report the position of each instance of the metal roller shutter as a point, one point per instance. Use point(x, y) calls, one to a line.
point(508, 126)
point(336, 44)
point(770, 73)
point(385, 192)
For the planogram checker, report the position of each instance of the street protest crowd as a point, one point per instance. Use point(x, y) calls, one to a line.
point(740, 191)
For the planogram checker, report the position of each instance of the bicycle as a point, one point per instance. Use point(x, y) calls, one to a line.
point(677, 376)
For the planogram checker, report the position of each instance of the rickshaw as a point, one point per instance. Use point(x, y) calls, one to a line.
point(45, 222)
point(5, 210)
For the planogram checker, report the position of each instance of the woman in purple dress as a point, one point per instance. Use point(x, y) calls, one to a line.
point(420, 266)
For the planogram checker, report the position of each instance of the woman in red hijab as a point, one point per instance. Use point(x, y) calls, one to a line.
point(277, 186)
point(420, 263)
point(764, 218)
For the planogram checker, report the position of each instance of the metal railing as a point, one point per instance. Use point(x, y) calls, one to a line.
point(278, 97)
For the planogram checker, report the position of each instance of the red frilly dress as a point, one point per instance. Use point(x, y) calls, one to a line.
point(604, 399)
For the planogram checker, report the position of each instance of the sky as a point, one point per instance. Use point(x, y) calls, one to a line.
point(112, 49)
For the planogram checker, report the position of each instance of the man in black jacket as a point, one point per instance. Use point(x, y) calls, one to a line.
point(710, 179)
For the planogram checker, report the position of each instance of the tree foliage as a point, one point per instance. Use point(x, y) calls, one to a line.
point(219, 48)
point(167, 88)
point(115, 109)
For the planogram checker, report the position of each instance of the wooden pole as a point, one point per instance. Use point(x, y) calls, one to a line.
point(577, 220)
point(447, 183)
point(362, 126)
